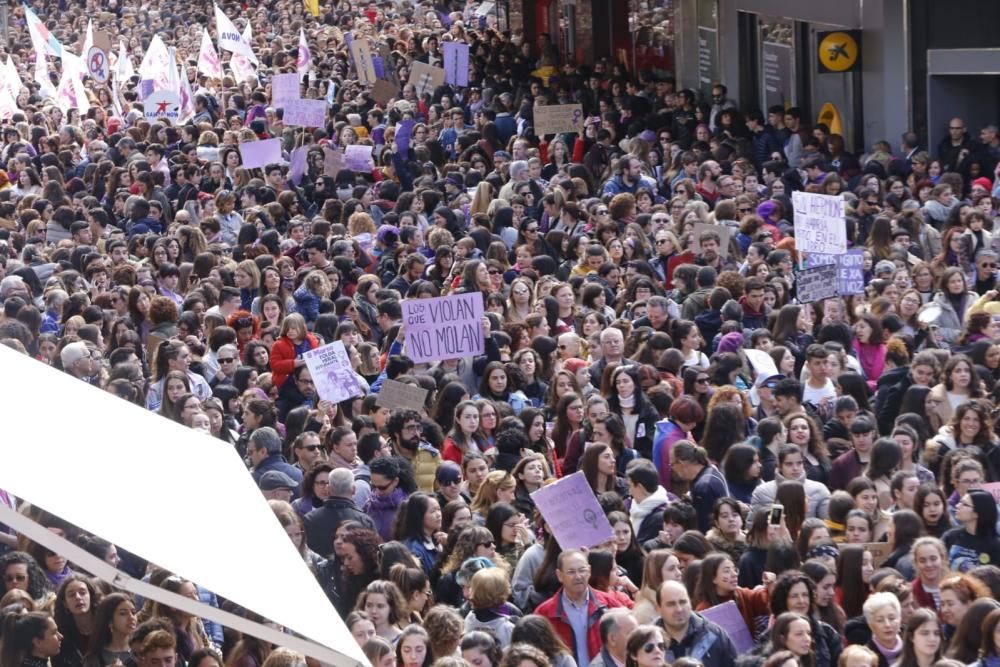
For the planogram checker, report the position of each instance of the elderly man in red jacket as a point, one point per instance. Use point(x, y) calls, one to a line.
point(575, 610)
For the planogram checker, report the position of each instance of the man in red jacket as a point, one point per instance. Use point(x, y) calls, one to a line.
point(575, 610)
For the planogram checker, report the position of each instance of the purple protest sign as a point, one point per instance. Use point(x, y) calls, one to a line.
point(298, 164)
point(146, 87)
point(728, 617)
point(404, 130)
point(378, 66)
point(260, 153)
point(284, 89)
point(572, 512)
point(331, 371)
point(359, 158)
point(456, 63)
point(305, 113)
point(446, 327)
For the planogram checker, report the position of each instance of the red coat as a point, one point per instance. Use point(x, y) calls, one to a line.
point(283, 358)
point(552, 609)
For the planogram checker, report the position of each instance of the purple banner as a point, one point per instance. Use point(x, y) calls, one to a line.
point(404, 130)
point(260, 153)
point(727, 616)
point(446, 327)
point(298, 164)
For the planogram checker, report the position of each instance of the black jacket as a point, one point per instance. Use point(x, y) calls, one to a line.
point(889, 396)
point(322, 522)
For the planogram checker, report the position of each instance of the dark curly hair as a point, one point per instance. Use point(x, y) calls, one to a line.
point(38, 583)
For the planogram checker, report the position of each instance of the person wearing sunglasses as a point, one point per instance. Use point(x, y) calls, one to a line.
point(645, 646)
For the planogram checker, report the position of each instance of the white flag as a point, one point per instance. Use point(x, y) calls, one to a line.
point(41, 39)
point(12, 80)
point(243, 67)
point(187, 97)
point(88, 41)
point(42, 76)
point(124, 69)
point(305, 57)
point(208, 59)
point(230, 38)
point(156, 64)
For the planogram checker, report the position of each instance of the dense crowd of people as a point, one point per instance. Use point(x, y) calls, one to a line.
point(824, 466)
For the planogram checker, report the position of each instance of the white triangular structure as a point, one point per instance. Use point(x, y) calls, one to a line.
point(178, 498)
point(242, 66)
point(88, 40)
point(124, 68)
point(12, 79)
point(156, 64)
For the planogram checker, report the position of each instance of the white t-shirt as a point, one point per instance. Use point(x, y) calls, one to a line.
point(812, 395)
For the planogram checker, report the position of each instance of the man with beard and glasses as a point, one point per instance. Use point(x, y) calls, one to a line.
point(405, 430)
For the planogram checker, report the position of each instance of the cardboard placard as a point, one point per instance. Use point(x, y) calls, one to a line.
point(361, 52)
point(284, 89)
point(572, 512)
point(879, 551)
point(558, 118)
point(396, 394)
point(425, 78)
point(816, 283)
point(333, 161)
point(383, 91)
point(725, 234)
point(305, 113)
point(819, 223)
point(445, 327)
point(330, 368)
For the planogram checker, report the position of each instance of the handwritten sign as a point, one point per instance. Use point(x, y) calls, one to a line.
point(284, 89)
point(574, 516)
point(819, 223)
point(558, 118)
point(305, 113)
point(456, 63)
point(395, 394)
point(331, 371)
point(724, 232)
point(816, 283)
point(728, 617)
point(851, 274)
point(361, 51)
point(425, 78)
point(260, 153)
point(359, 158)
point(446, 327)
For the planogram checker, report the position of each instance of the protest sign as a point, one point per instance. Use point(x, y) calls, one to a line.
point(456, 63)
point(383, 91)
point(394, 394)
point(425, 78)
point(851, 270)
point(404, 130)
point(330, 368)
point(284, 89)
point(816, 283)
point(305, 113)
point(361, 51)
point(298, 163)
point(484, 9)
point(879, 551)
point(359, 158)
point(994, 489)
point(572, 512)
point(446, 327)
point(819, 223)
point(260, 153)
point(558, 118)
point(725, 234)
point(333, 161)
point(728, 617)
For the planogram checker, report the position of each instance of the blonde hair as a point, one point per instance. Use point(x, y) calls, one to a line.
point(488, 588)
point(487, 493)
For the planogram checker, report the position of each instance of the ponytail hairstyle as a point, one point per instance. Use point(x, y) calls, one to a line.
point(687, 451)
point(19, 633)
